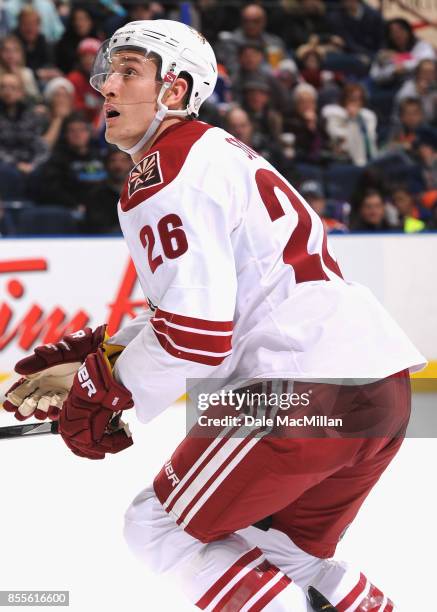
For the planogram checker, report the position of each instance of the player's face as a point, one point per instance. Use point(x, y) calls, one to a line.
point(130, 93)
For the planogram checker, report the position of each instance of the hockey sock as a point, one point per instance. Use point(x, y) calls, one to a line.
point(228, 575)
point(349, 590)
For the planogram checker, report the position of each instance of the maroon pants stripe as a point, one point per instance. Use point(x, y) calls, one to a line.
point(215, 589)
point(199, 469)
point(219, 468)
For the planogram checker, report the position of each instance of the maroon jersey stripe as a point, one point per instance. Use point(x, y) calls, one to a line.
point(205, 359)
point(202, 324)
point(196, 341)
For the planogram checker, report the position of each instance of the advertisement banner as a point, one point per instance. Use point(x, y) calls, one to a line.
point(52, 286)
point(49, 287)
point(422, 14)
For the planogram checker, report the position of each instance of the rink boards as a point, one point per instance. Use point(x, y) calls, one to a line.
point(48, 285)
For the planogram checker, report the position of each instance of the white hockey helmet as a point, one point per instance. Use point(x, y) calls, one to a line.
point(180, 49)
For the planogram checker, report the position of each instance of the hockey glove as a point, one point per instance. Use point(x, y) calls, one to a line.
point(93, 401)
point(47, 374)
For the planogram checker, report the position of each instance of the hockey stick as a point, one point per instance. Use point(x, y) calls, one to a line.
point(47, 427)
point(28, 429)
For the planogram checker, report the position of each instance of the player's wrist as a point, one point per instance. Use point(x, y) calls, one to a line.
point(89, 409)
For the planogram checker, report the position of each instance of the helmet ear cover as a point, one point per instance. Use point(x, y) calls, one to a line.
point(189, 79)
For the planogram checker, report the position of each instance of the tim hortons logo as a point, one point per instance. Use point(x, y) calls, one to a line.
point(38, 325)
point(147, 173)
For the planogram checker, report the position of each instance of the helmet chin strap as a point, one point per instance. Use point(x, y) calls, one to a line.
point(160, 115)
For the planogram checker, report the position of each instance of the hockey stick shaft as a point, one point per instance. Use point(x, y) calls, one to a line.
point(28, 429)
point(48, 427)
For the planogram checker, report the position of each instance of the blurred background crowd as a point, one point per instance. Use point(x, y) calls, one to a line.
point(339, 100)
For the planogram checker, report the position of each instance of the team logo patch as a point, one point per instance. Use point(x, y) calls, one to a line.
point(147, 173)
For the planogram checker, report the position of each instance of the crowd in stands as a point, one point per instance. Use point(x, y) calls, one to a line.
point(341, 102)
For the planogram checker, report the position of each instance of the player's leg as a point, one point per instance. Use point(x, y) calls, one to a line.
point(303, 536)
point(317, 520)
point(211, 488)
point(340, 582)
point(226, 574)
point(214, 487)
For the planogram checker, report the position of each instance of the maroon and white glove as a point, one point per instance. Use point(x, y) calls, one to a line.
point(94, 400)
point(47, 374)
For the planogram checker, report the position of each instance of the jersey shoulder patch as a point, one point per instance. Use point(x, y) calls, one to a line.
point(147, 173)
point(162, 164)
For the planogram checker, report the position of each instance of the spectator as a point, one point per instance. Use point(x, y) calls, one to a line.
point(371, 214)
point(426, 148)
point(257, 102)
point(87, 99)
point(351, 128)
point(374, 177)
point(215, 17)
point(74, 167)
point(101, 216)
point(238, 123)
point(304, 123)
point(51, 23)
point(12, 60)
point(358, 28)
point(59, 96)
point(38, 52)
point(80, 25)
point(252, 29)
point(251, 65)
point(408, 210)
point(411, 119)
point(210, 113)
point(313, 193)
point(135, 10)
point(423, 87)
point(401, 54)
point(311, 70)
point(22, 147)
point(287, 73)
point(298, 23)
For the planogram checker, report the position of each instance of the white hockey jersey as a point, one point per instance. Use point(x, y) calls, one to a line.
point(240, 278)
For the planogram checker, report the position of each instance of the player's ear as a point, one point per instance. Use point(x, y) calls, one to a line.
point(176, 96)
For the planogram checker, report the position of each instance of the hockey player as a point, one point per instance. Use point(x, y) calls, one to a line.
point(242, 287)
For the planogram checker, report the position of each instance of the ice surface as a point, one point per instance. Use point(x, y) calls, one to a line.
point(62, 517)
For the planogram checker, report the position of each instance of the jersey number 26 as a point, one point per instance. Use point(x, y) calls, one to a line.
point(172, 237)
